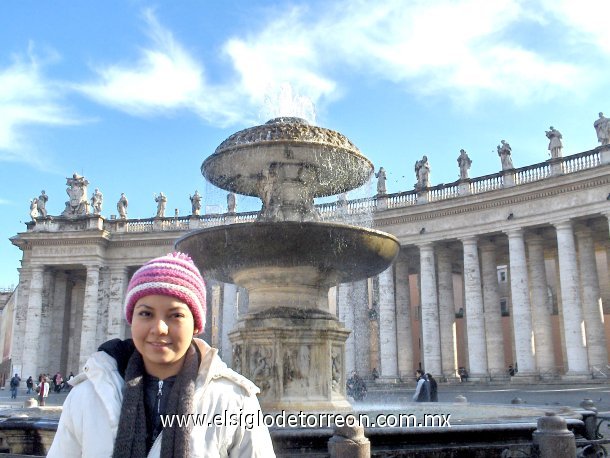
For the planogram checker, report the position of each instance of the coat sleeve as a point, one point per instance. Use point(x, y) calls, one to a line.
point(254, 441)
point(67, 440)
point(420, 382)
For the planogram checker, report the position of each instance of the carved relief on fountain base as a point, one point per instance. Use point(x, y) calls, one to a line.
point(294, 357)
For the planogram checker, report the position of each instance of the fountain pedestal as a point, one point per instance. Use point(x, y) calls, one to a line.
point(295, 357)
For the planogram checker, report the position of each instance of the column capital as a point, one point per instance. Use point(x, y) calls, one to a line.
point(470, 240)
point(582, 230)
point(533, 238)
point(487, 244)
point(514, 232)
point(426, 246)
point(563, 225)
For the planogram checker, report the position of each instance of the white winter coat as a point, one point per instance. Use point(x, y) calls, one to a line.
point(91, 412)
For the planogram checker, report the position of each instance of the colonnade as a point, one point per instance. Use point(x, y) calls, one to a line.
point(525, 251)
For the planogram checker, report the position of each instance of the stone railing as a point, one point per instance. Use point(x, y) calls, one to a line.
point(345, 210)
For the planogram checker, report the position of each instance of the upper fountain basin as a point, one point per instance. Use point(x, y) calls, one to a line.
point(287, 144)
point(340, 253)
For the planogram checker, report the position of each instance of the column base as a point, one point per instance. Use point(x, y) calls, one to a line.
point(386, 380)
point(477, 378)
point(450, 378)
point(525, 377)
point(573, 376)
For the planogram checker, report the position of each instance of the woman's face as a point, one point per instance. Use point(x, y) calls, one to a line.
point(162, 329)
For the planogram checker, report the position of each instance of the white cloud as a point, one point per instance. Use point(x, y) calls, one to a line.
point(26, 99)
point(461, 49)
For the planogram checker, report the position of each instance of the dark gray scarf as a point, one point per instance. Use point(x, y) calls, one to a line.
point(131, 435)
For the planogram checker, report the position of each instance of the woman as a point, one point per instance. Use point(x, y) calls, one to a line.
point(43, 391)
point(121, 404)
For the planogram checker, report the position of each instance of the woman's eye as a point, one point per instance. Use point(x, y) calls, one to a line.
point(143, 313)
point(178, 315)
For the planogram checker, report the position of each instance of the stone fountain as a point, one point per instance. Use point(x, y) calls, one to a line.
point(289, 343)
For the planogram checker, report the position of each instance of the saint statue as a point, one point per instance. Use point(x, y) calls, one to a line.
point(34, 208)
point(96, 201)
point(195, 203)
point(504, 151)
point(422, 172)
point(602, 128)
point(381, 179)
point(555, 144)
point(42, 204)
point(161, 202)
point(121, 206)
point(464, 163)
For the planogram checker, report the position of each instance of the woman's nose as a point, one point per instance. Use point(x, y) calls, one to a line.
point(160, 327)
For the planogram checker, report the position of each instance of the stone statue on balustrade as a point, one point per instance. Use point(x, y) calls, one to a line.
point(42, 204)
point(34, 209)
point(381, 179)
point(78, 205)
point(121, 206)
point(602, 128)
point(504, 151)
point(96, 201)
point(195, 203)
point(231, 205)
point(422, 172)
point(464, 162)
point(555, 144)
point(161, 203)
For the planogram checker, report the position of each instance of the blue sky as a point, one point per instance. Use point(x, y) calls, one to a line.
point(134, 95)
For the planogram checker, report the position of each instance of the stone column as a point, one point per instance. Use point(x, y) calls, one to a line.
point(116, 316)
point(493, 315)
point(591, 300)
point(229, 318)
point(429, 311)
point(346, 316)
point(446, 311)
point(387, 324)
point(359, 300)
point(541, 309)
point(57, 319)
point(522, 309)
point(88, 345)
point(31, 348)
point(475, 318)
point(572, 316)
point(404, 333)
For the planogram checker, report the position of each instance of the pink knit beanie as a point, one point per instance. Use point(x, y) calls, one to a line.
point(174, 275)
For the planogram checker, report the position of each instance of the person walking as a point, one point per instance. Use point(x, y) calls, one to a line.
point(433, 388)
point(422, 390)
point(121, 405)
point(15, 386)
point(30, 384)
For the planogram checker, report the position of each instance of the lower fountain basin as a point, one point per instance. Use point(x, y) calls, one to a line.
point(338, 252)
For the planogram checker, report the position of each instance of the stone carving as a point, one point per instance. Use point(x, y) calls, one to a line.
point(336, 369)
point(602, 128)
point(555, 144)
point(381, 179)
point(122, 205)
point(282, 129)
point(97, 200)
point(195, 203)
point(296, 367)
point(422, 173)
point(42, 204)
point(261, 368)
point(464, 162)
point(78, 205)
point(231, 206)
point(268, 192)
point(161, 203)
point(34, 208)
point(237, 366)
point(504, 151)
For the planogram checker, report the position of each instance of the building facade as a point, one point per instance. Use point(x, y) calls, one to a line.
point(509, 268)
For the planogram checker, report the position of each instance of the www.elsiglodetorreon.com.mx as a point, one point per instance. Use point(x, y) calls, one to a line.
point(309, 420)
